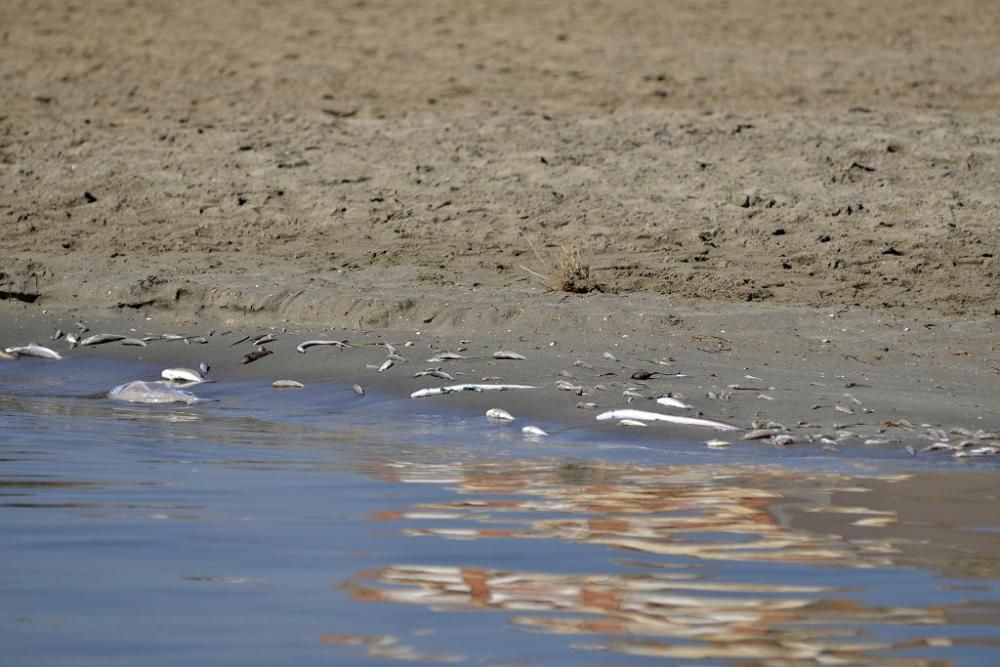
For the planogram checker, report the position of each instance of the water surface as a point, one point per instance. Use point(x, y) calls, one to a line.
point(317, 527)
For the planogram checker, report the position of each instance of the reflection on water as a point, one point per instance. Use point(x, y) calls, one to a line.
point(688, 515)
point(266, 529)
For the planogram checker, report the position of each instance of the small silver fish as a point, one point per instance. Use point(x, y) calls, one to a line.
point(386, 365)
point(287, 384)
point(671, 402)
point(434, 373)
point(499, 415)
point(444, 356)
point(33, 350)
point(456, 388)
point(182, 375)
point(134, 342)
point(101, 339)
point(504, 354)
point(312, 343)
point(358, 390)
point(533, 431)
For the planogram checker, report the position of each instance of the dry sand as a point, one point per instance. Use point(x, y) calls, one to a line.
point(812, 184)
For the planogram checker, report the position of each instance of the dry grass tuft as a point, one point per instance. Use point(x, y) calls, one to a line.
point(570, 274)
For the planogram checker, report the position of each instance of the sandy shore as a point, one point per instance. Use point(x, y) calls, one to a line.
point(765, 194)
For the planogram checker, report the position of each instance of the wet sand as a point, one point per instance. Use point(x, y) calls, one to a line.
point(763, 189)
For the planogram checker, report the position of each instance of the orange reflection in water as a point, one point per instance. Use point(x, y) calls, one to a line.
point(681, 516)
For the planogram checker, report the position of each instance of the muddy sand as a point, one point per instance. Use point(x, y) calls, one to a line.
point(796, 198)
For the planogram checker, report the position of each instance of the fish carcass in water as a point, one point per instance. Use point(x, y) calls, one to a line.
point(140, 391)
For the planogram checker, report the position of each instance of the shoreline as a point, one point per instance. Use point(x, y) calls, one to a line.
point(894, 382)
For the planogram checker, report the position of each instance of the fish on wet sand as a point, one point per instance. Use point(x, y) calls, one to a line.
point(251, 357)
point(101, 339)
point(456, 388)
point(302, 347)
point(188, 375)
point(33, 350)
point(643, 415)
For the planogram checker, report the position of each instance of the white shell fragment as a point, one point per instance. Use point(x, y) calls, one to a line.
point(455, 388)
point(301, 349)
point(533, 431)
point(671, 402)
point(140, 391)
point(504, 354)
point(287, 384)
point(182, 375)
point(656, 416)
point(33, 350)
point(499, 415)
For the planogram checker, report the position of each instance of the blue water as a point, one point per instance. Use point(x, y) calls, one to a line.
point(318, 527)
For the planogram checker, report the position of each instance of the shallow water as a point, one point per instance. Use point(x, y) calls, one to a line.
point(318, 527)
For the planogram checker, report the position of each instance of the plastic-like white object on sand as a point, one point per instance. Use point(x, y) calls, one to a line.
point(140, 391)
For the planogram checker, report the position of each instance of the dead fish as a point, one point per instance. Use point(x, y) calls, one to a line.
point(761, 434)
point(139, 391)
point(716, 444)
point(101, 339)
point(434, 373)
point(251, 357)
point(203, 367)
point(134, 342)
point(73, 340)
point(631, 422)
point(266, 338)
point(672, 402)
point(444, 356)
point(456, 388)
point(33, 350)
point(287, 384)
point(783, 440)
point(609, 356)
point(499, 415)
point(533, 431)
point(586, 405)
point(312, 343)
point(504, 354)
point(182, 375)
point(4, 355)
point(386, 365)
point(656, 416)
point(82, 327)
point(57, 335)
point(358, 390)
point(646, 375)
point(568, 386)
